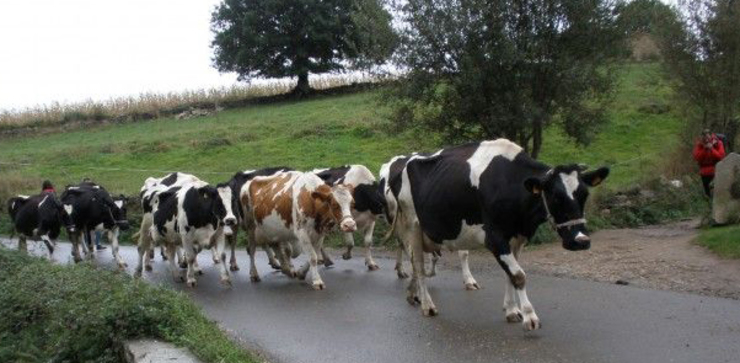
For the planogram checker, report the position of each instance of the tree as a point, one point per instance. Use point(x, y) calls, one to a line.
point(642, 16)
point(506, 68)
point(701, 52)
point(292, 38)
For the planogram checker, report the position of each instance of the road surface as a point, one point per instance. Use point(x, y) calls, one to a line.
point(363, 317)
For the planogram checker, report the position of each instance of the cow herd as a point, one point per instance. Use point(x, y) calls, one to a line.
point(486, 194)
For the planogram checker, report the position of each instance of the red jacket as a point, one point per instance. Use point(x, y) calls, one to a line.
point(707, 158)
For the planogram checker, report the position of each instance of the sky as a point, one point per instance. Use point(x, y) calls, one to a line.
point(74, 50)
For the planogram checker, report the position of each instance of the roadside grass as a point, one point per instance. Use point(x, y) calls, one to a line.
point(724, 241)
point(79, 313)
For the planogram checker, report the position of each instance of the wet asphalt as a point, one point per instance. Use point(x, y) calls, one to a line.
point(363, 317)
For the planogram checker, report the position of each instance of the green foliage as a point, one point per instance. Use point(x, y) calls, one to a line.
point(485, 69)
point(287, 38)
point(702, 55)
point(53, 313)
point(643, 16)
point(724, 241)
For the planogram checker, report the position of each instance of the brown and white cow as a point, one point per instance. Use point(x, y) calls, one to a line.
point(292, 210)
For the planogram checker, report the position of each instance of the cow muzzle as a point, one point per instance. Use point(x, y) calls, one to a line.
point(348, 224)
point(230, 221)
point(123, 225)
point(580, 242)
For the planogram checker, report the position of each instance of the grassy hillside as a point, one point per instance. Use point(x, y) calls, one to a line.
point(319, 132)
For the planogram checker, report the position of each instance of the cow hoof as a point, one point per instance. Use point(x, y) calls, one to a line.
point(328, 263)
point(320, 261)
point(148, 267)
point(122, 266)
point(255, 278)
point(137, 274)
point(472, 286)
point(234, 268)
point(183, 265)
point(347, 255)
point(514, 317)
point(180, 279)
point(402, 274)
point(164, 258)
point(77, 259)
point(199, 272)
point(531, 323)
point(275, 266)
point(192, 283)
point(412, 300)
point(300, 275)
point(318, 285)
point(431, 311)
point(373, 267)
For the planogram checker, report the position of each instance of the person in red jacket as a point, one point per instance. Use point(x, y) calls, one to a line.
point(708, 151)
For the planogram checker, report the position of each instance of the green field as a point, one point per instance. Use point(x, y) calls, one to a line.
point(724, 241)
point(320, 132)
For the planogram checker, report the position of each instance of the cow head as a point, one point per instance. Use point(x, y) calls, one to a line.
point(563, 192)
point(369, 197)
point(339, 201)
point(221, 205)
point(119, 212)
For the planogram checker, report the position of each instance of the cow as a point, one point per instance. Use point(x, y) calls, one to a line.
point(236, 183)
point(93, 209)
point(392, 169)
point(491, 194)
point(293, 210)
point(368, 204)
point(39, 216)
point(151, 188)
point(193, 216)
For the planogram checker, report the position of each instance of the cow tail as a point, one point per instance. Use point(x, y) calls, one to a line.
point(393, 224)
point(135, 237)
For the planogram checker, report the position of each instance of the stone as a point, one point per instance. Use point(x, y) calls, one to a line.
point(155, 351)
point(726, 199)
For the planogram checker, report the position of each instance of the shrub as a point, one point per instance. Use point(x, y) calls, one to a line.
point(55, 313)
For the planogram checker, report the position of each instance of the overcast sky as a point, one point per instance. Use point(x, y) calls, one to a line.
point(73, 50)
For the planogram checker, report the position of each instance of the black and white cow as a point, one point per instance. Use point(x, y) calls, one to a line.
point(368, 205)
point(236, 183)
point(393, 169)
point(38, 217)
point(93, 209)
point(193, 216)
point(151, 188)
point(490, 194)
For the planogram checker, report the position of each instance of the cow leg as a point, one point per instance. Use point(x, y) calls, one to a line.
point(190, 258)
point(368, 241)
point(402, 274)
point(433, 258)
point(254, 275)
point(468, 280)
point(285, 265)
point(90, 245)
point(511, 306)
point(49, 244)
point(325, 259)
point(232, 243)
point(502, 251)
point(309, 248)
point(418, 288)
point(271, 258)
point(349, 242)
point(113, 238)
point(171, 250)
point(22, 246)
point(143, 245)
point(220, 247)
point(180, 259)
point(75, 239)
point(162, 253)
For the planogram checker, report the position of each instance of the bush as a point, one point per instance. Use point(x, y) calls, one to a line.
point(54, 313)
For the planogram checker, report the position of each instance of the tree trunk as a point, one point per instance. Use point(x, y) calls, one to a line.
point(302, 88)
point(536, 138)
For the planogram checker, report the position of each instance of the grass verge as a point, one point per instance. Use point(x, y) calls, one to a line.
point(724, 241)
point(54, 313)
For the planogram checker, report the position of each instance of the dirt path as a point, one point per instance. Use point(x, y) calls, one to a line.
point(658, 257)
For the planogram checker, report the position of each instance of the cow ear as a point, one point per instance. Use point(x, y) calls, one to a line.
point(322, 193)
point(533, 185)
point(205, 191)
point(594, 178)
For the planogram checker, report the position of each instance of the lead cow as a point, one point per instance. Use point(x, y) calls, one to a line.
point(488, 194)
point(292, 210)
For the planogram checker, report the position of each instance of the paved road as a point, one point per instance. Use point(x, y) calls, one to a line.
point(363, 317)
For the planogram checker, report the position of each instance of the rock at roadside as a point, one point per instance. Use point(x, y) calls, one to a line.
point(726, 199)
point(154, 351)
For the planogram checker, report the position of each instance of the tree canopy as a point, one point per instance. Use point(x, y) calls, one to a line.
point(292, 38)
point(482, 69)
